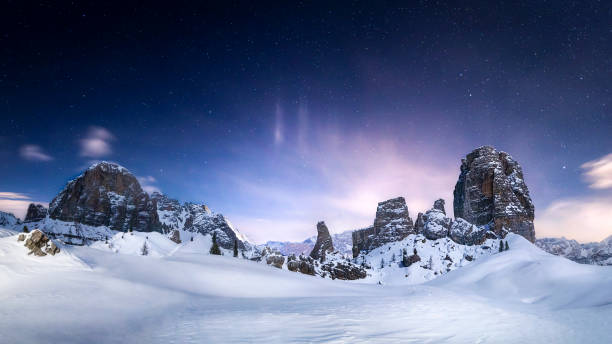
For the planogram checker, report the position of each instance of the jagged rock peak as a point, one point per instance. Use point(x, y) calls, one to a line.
point(324, 242)
point(439, 204)
point(106, 194)
point(36, 212)
point(491, 191)
point(392, 223)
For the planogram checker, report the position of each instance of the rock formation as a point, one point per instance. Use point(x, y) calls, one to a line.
point(324, 242)
point(38, 243)
point(465, 233)
point(392, 223)
point(36, 212)
point(106, 195)
point(491, 191)
point(439, 205)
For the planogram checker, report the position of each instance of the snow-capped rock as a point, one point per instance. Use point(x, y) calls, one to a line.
point(197, 218)
point(465, 233)
point(8, 220)
point(36, 212)
point(434, 224)
point(106, 194)
point(596, 253)
point(323, 244)
point(491, 190)
point(343, 243)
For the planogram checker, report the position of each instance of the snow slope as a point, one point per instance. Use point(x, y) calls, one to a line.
point(96, 294)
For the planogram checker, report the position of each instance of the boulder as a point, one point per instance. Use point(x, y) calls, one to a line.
point(301, 264)
point(176, 236)
point(491, 191)
point(38, 243)
point(435, 224)
point(324, 242)
point(36, 212)
point(344, 270)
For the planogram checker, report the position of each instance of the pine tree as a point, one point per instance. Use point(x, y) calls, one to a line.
point(507, 248)
point(501, 246)
point(191, 238)
point(393, 257)
point(214, 249)
point(382, 263)
point(25, 229)
point(236, 248)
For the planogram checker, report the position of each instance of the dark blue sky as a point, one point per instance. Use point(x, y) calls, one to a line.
point(281, 116)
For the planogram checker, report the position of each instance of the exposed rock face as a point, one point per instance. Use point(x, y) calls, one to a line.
point(392, 223)
point(491, 191)
point(324, 242)
point(106, 194)
point(39, 244)
point(196, 218)
point(36, 212)
point(439, 205)
point(411, 259)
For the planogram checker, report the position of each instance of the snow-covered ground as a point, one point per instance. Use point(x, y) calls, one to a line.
point(180, 294)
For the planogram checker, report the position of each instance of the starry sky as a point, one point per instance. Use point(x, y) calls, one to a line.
point(280, 116)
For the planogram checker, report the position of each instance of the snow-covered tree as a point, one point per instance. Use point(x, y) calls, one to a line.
point(501, 246)
point(506, 248)
point(382, 263)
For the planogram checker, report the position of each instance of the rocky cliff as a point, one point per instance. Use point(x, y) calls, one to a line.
point(106, 194)
point(491, 191)
point(8, 220)
point(36, 212)
point(323, 244)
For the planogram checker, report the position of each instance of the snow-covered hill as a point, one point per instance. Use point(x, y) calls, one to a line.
point(97, 294)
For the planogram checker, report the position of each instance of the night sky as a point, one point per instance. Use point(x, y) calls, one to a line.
point(282, 116)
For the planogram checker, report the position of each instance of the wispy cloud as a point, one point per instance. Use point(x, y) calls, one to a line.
point(97, 143)
point(584, 219)
point(12, 195)
point(34, 153)
point(599, 172)
point(16, 203)
point(148, 184)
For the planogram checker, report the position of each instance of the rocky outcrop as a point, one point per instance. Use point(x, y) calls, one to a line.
point(491, 191)
point(36, 212)
point(38, 243)
point(301, 264)
point(324, 242)
point(343, 270)
point(392, 223)
point(408, 260)
point(196, 218)
point(106, 194)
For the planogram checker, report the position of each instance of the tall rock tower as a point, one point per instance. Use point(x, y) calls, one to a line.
point(491, 191)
